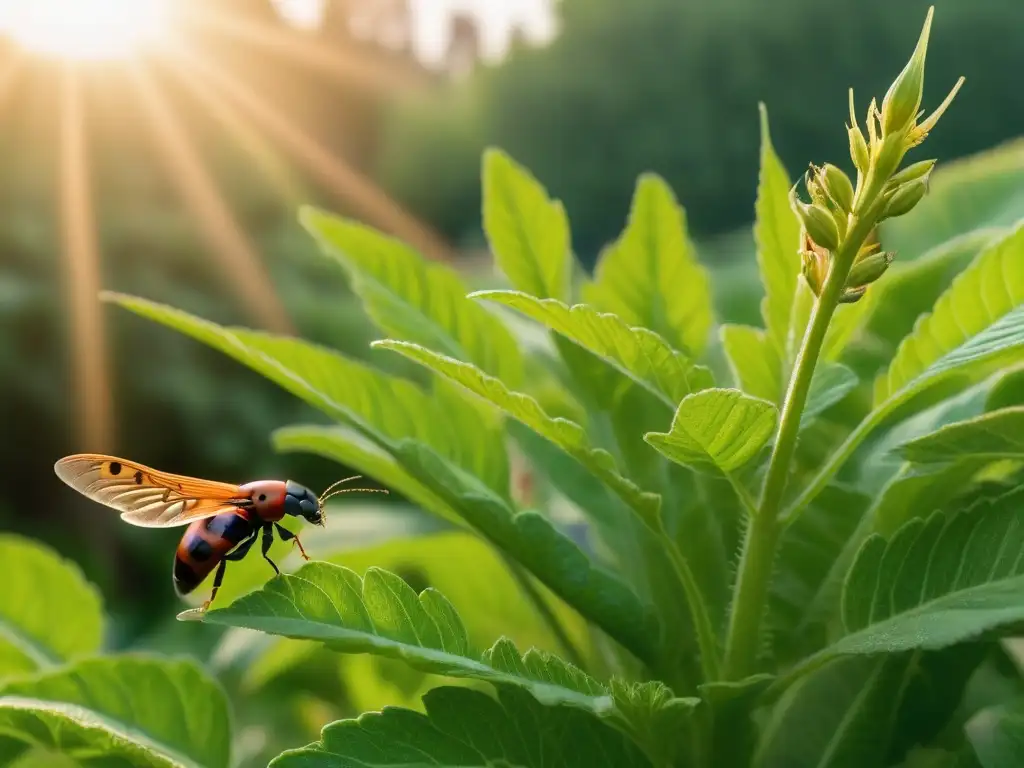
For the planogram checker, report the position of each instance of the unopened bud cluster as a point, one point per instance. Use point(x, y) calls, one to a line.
point(882, 190)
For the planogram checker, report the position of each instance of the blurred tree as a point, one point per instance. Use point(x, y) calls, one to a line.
point(673, 87)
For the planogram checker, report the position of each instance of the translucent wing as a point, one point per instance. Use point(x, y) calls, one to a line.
point(144, 496)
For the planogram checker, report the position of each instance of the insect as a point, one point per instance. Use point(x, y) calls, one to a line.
point(224, 520)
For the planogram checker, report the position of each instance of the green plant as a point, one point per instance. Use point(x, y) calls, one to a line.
point(878, 526)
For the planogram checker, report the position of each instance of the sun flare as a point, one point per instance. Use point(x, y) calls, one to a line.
point(84, 29)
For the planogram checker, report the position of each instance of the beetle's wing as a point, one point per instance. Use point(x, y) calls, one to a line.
point(145, 496)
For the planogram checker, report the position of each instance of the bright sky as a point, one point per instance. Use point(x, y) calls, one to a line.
point(431, 21)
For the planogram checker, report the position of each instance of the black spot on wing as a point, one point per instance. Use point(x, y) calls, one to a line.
point(138, 477)
point(115, 468)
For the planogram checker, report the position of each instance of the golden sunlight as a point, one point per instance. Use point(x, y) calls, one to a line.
point(84, 29)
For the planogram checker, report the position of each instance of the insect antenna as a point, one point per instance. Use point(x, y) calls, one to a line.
point(334, 490)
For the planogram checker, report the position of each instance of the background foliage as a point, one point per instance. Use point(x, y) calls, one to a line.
point(588, 114)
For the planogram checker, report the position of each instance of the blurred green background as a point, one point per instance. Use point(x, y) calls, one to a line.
point(380, 110)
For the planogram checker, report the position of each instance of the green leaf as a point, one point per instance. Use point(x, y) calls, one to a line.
point(566, 434)
point(550, 555)
point(348, 447)
point(831, 383)
point(777, 233)
point(720, 429)
point(976, 323)
point(935, 583)
point(49, 614)
point(380, 614)
point(754, 361)
point(145, 711)
point(415, 300)
point(382, 408)
point(469, 729)
point(642, 355)
point(965, 195)
point(997, 735)
point(994, 435)
point(650, 276)
point(866, 711)
point(527, 231)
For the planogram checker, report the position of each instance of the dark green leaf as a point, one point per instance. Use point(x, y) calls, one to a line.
point(469, 729)
point(831, 383)
point(997, 735)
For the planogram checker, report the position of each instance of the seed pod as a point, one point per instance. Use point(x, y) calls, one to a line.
point(838, 186)
point(852, 295)
point(919, 170)
point(817, 222)
point(889, 155)
point(868, 269)
point(904, 199)
point(859, 149)
point(903, 99)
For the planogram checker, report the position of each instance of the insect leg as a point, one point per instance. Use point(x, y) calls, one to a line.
point(243, 548)
point(287, 535)
point(268, 539)
point(217, 581)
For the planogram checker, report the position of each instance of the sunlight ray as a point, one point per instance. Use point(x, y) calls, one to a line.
point(93, 396)
point(281, 175)
point(306, 49)
point(244, 272)
point(352, 188)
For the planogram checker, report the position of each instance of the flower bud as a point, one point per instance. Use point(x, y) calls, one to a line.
point(904, 199)
point(814, 265)
point(838, 186)
point(817, 221)
point(868, 269)
point(890, 153)
point(858, 149)
point(852, 295)
point(903, 99)
point(911, 172)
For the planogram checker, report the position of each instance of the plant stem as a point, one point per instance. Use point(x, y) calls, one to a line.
point(762, 536)
point(547, 615)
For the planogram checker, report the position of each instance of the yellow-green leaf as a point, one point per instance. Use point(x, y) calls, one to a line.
point(567, 435)
point(527, 231)
point(754, 361)
point(972, 321)
point(992, 436)
point(777, 234)
point(718, 429)
point(415, 300)
point(651, 277)
point(639, 353)
point(49, 614)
